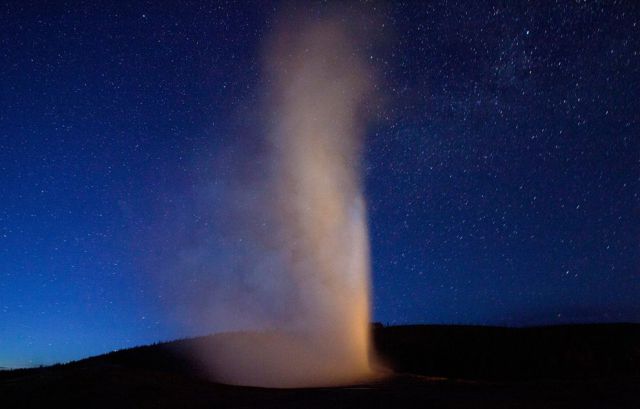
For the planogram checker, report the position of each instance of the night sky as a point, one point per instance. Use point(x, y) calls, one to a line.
point(502, 172)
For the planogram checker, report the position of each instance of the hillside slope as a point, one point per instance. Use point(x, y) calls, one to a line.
point(587, 366)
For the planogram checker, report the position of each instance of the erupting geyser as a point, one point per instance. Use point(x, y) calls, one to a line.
point(317, 84)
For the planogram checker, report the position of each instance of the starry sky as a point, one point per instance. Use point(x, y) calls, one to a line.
point(502, 172)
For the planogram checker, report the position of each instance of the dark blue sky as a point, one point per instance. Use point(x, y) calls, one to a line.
point(502, 175)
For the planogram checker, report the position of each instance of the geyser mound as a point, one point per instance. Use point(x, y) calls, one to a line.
point(280, 359)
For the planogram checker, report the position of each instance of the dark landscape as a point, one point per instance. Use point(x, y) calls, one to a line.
point(569, 366)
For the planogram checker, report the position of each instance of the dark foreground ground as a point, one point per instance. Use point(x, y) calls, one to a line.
point(593, 366)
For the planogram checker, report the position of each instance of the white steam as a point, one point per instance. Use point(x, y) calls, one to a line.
point(305, 280)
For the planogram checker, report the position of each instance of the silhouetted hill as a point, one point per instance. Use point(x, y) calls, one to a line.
point(496, 353)
point(575, 366)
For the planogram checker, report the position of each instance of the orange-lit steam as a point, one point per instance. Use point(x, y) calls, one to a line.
point(319, 334)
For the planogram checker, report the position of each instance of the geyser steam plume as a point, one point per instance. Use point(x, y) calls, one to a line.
point(317, 85)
